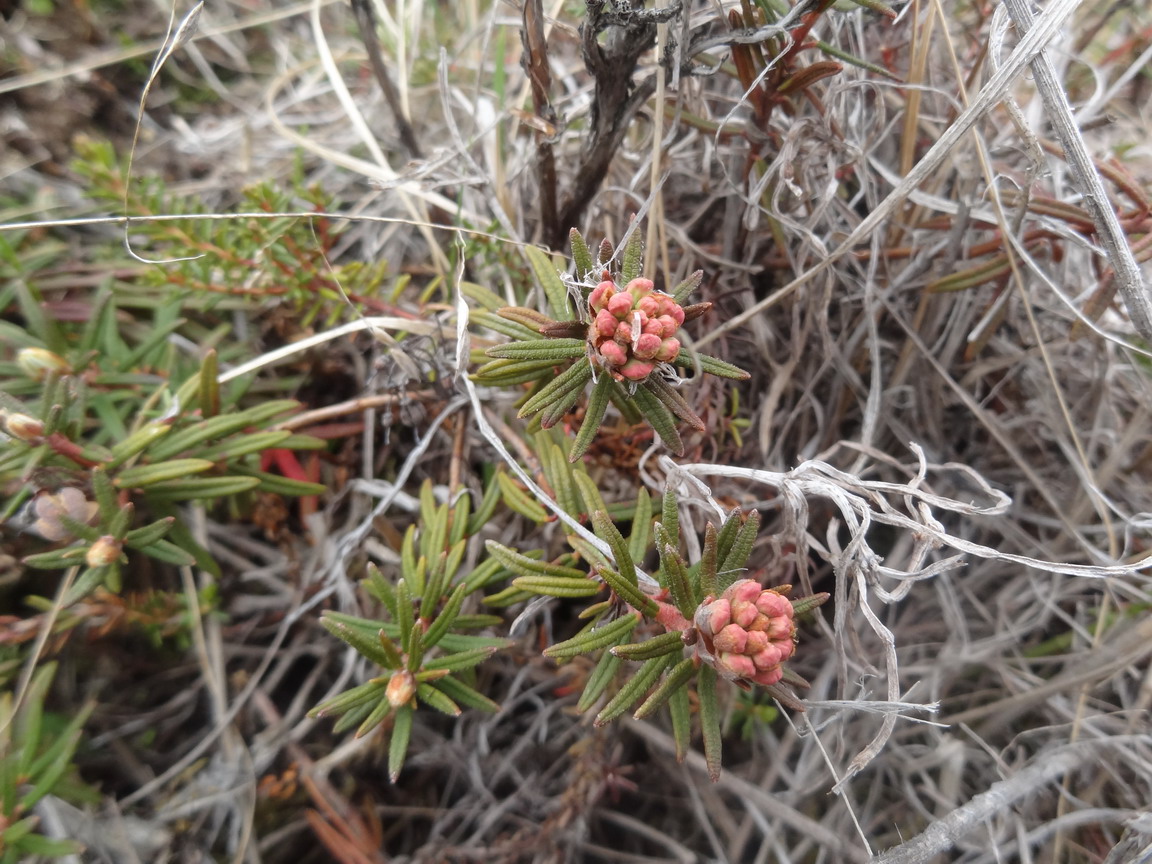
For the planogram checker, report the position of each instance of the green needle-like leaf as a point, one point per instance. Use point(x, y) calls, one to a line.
point(462, 694)
point(192, 488)
point(549, 279)
point(680, 708)
point(603, 675)
point(434, 698)
point(710, 720)
point(558, 586)
point(460, 660)
point(633, 690)
point(736, 559)
point(671, 399)
point(674, 682)
point(398, 746)
point(641, 533)
point(684, 290)
point(525, 566)
point(572, 380)
point(607, 634)
point(628, 591)
point(372, 649)
point(709, 582)
point(608, 532)
point(660, 418)
point(147, 475)
point(806, 604)
point(657, 646)
point(670, 519)
point(447, 617)
point(593, 416)
point(676, 577)
point(582, 256)
point(553, 350)
point(633, 258)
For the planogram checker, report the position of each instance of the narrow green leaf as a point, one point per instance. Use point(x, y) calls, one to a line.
point(191, 488)
point(709, 581)
point(803, 605)
point(657, 646)
point(680, 709)
point(710, 720)
point(519, 501)
point(608, 532)
point(571, 380)
point(736, 559)
point(434, 698)
point(487, 572)
point(506, 373)
point(363, 694)
point(459, 521)
point(147, 475)
point(633, 258)
point(628, 591)
point(682, 291)
point(525, 566)
point(676, 576)
point(675, 681)
point(670, 519)
point(603, 675)
point(641, 534)
point(404, 615)
point(462, 694)
point(607, 634)
point(219, 427)
point(633, 690)
point(589, 492)
point(721, 369)
point(549, 279)
point(557, 586)
point(660, 418)
point(210, 385)
point(527, 318)
point(593, 416)
point(242, 445)
point(727, 534)
point(552, 350)
point(371, 648)
point(398, 746)
point(582, 256)
point(460, 660)
point(357, 717)
point(150, 533)
point(510, 596)
point(671, 399)
point(163, 550)
point(379, 587)
point(136, 443)
point(486, 510)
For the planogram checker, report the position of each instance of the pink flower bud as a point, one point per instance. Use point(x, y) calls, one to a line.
point(614, 353)
point(769, 676)
point(669, 350)
point(600, 295)
point(650, 306)
point(605, 324)
point(647, 346)
point(744, 613)
point(620, 305)
point(714, 617)
point(637, 370)
point(639, 288)
point(738, 665)
point(771, 603)
point(623, 333)
point(731, 639)
point(768, 657)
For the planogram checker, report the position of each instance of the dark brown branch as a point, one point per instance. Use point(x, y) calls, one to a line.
point(366, 22)
point(535, 62)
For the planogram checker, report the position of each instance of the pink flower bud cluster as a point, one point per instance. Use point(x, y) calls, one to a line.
point(749, 632)
point(634, 328)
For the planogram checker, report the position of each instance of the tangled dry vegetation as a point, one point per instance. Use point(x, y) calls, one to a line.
point(927, 247)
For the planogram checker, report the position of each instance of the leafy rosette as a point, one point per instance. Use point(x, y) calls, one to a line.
point(623, 339)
